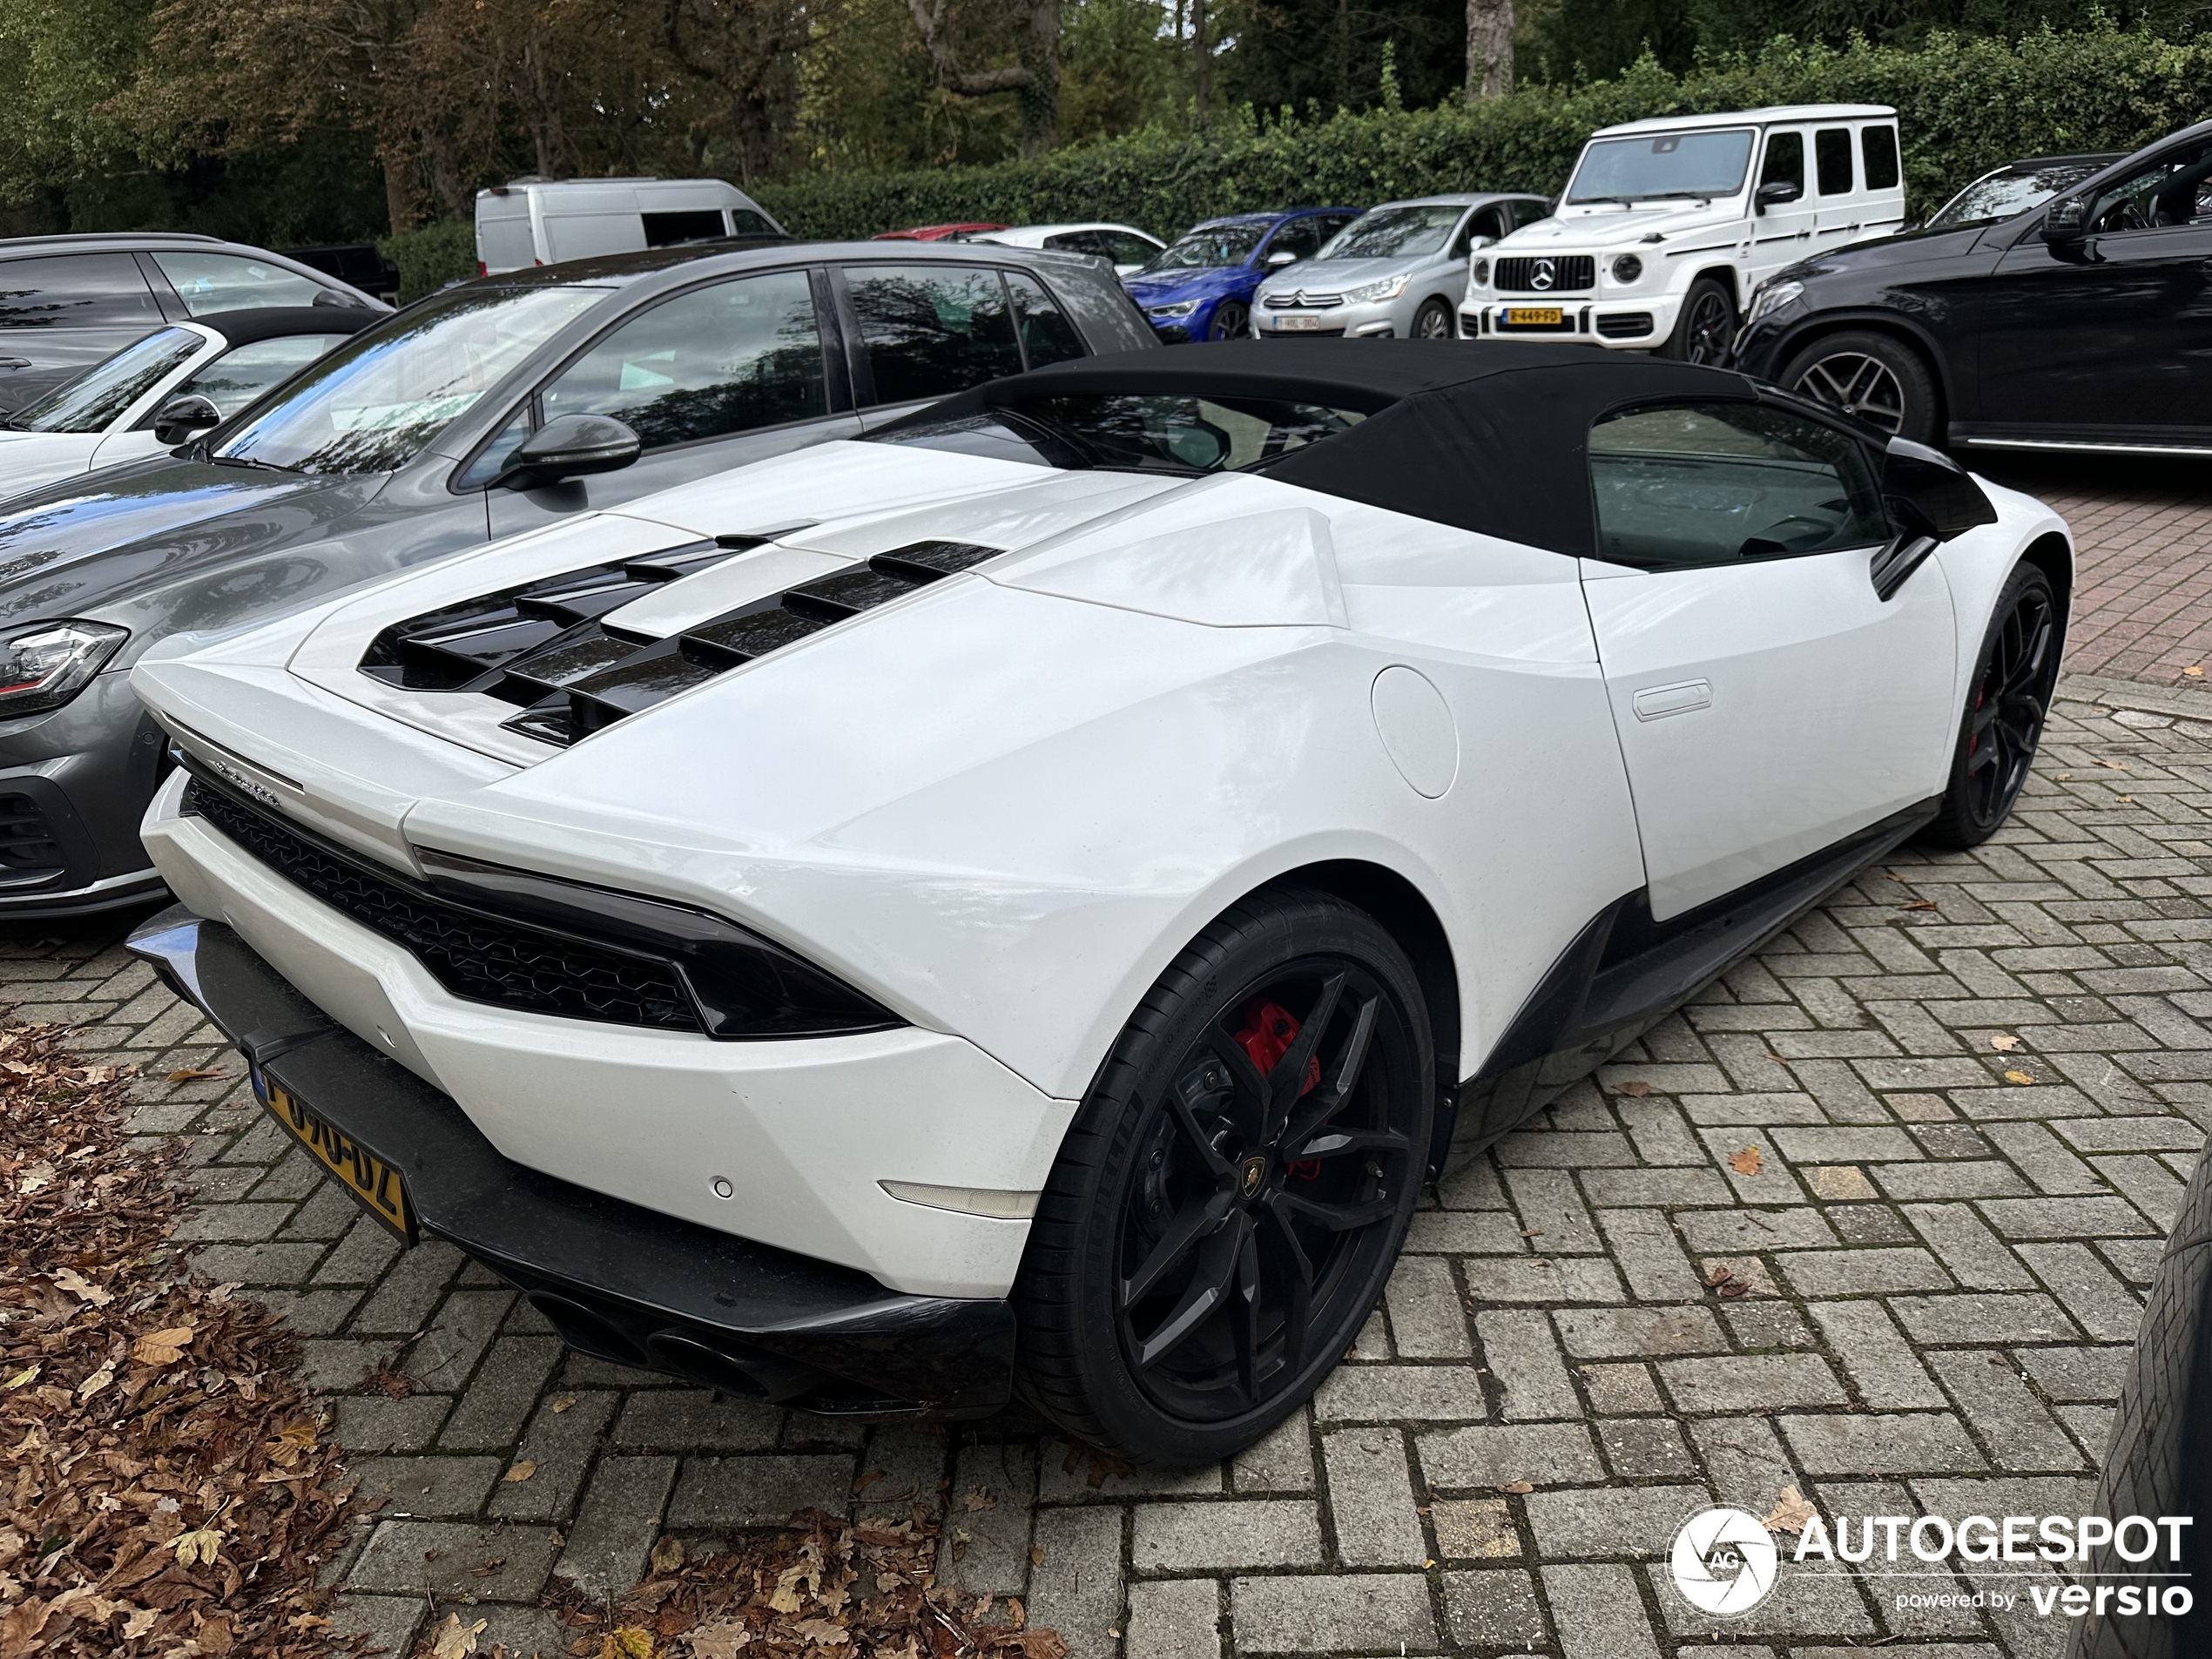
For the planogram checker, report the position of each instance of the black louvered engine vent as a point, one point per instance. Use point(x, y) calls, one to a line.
point(478, 957)
point(1546, 274)
point(542, 647)
point(28, 849)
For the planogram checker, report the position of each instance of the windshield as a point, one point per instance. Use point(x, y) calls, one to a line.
point(373, 405)
point(2004, 192)
point(1662, 167)
point(94, 400)
point(1135, 431)
point(1206, 248)
point(1393, 232)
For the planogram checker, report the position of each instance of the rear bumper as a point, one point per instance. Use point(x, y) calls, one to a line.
point(615, 1280)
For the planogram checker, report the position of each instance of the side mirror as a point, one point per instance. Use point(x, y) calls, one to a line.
point(1776, 193)
point(570, 445)
point(1931, 500)
point(1279, 258)
point(182, 419)
point(2066, 222)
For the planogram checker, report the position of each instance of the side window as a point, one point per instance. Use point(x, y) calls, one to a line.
point(1124, 249)
point(1527, 211)
point(1785, 161)
point(1877, 149)
point(76, 291)
point(2171, 191)
point(1831, 160)
point(1694, 484)
point(1047, 336)
point(718, 359)
point(1074, 242)
point(211, 282)
point(492, 459)
point(240, 376)
point(1481, 229)
point(673, 230)
point(744, 222)
point(1301, 237)
point(930, 330)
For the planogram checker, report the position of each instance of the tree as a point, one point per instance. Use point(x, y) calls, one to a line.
point(1489, 48)
point(1033, 75)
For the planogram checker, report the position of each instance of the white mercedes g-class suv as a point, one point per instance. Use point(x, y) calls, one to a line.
point(1667, 227)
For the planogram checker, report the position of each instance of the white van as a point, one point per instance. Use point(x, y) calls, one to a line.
point(1666, 227)
point(537, 221)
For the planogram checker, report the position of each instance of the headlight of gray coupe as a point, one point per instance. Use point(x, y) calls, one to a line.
point(43, 664)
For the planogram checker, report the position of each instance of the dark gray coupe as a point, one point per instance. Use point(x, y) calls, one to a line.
point(480, 413)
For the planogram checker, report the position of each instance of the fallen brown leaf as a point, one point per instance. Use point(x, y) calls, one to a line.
point(82, 1288)
point(521, 1469)
point(193, 1074)
point(668, 1554)
point(563, 1404)
point(1921, 904)
point(1516, 1486)
point(2019, 1077)
point(1748, 1162)
point(1789, 1514)
point(1734, 1287)
point(979, 1498)
point(2195, 671)
point(162, 1347)
point(627, 1643)
point(2004, 1043)
point(1718, 1277)
point(454, 1640)
point(1635, 1089)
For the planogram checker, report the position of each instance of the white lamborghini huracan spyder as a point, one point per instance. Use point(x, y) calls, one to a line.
point(1024, 899)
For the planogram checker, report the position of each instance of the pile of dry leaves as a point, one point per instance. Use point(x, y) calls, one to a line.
point(827, 1589)
point(163, 1486)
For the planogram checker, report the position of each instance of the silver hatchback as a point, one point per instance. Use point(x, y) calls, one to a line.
point(1396, 272)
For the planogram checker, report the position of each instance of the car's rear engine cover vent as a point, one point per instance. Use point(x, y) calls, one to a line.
point(543, 646)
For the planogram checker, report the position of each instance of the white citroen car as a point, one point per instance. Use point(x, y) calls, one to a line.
point(156, 392)
point(1026, 897)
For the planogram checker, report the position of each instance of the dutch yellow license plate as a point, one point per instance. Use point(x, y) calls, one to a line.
point(1534, 316)
point(375, 1186)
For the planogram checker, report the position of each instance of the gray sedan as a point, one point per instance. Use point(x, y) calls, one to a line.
point(1396, 272)
point(482, 412)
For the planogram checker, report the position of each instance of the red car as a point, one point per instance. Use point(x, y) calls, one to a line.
point(935, 232)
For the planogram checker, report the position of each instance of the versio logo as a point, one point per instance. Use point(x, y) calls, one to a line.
point(1723, 1561)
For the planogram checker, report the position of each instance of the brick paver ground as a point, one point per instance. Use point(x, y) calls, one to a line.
point(1945, 1271)
point(2143, 533)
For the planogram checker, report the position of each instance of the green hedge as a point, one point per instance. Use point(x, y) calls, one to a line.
point(431, 258)
point(1965, 105)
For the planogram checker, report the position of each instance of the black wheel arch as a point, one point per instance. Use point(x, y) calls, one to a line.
point(1725, 275)
point(2051, 554)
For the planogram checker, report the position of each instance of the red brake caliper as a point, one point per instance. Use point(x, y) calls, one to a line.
point(1269, 1031)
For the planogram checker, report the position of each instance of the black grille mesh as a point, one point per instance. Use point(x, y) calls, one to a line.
point(543, 647)
point(1570, 273)
point(481, 959)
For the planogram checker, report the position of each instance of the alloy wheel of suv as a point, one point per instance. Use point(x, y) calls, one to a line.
point(1230, 321)
point(1870, 376)
point(1708, 325)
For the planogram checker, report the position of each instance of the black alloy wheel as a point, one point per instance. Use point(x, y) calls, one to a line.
point(1228, 1205)
point(1231, 320)
point(1432, 321)
point(1706, 329)
point(2004, 711)
point(1870, 376)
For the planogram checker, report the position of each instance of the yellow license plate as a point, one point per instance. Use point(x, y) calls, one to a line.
point(1534, 316)
point(375, 1186)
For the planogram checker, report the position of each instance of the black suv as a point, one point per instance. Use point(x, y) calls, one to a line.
point(2067, 305)
point(67, 302)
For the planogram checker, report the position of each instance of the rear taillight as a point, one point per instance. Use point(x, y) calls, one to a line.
point(481, 270)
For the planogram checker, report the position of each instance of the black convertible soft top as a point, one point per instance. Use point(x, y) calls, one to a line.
point(1492, 437)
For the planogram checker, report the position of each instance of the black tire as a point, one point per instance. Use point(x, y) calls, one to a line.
point(1433, 321)
point(1875, 377)
point(1706, 330)
point(2006, 705)
point(1158, 1298)
point(1231, 320)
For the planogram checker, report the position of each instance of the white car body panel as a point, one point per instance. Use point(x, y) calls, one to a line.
point(1001, 804)
point(28, 460)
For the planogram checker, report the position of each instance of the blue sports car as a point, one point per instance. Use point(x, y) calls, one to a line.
point(1200, 287)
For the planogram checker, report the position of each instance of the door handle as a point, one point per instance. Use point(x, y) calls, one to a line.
point(1657, 702)
point(14, 362)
